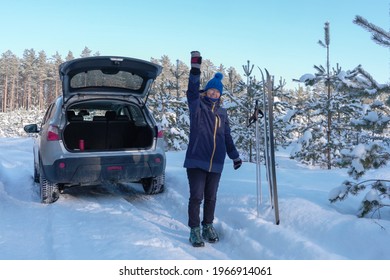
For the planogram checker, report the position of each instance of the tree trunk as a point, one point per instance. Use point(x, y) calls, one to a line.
point(12, 99)
point(40, 93)
point(28, 94)
point(4, 107)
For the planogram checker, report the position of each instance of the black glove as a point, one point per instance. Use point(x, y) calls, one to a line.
point(237, 163)
point(196, 61)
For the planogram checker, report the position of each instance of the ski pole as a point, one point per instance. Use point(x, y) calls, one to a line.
point(255, 119)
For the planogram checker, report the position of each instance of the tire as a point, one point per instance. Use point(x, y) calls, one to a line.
point(154, 185)
point(36, 175)
point(49, 192)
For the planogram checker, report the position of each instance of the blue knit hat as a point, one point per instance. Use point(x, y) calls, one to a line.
point(215, 82)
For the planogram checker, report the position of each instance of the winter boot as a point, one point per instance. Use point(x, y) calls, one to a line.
point(195, 238)
point(209, 233)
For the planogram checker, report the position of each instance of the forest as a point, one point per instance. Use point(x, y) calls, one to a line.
point(352, 99)
point(333, 118)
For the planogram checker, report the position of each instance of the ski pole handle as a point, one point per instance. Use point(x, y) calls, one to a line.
point(255, 114)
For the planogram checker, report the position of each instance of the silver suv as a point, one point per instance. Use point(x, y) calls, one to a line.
point(100, 128)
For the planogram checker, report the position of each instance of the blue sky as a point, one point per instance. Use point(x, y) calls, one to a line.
point(280, 35)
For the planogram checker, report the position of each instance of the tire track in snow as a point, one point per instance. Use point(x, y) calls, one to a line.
point(26, 222)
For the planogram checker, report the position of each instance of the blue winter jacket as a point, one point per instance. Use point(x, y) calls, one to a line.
point(210, 138)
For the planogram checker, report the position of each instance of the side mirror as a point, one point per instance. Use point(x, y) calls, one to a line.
point(31, 128)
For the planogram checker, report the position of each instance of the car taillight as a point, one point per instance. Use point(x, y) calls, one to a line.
point(160, 132)
point(53, 133)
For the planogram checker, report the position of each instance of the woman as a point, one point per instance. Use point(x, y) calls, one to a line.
point(210, 141)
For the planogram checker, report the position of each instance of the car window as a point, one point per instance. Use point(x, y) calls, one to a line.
point(137, 116)
point(48, 113)
point(97, 78)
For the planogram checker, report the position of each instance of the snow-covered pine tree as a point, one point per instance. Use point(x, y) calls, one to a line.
point(293, 117)
point(369, 149)
point(236, 110)
point(284, 101)
point(352, 104)
point(377, 196)
point(168, 102)
point(317, 146)
point(360, 119)
point(240, 103)
point(69, 56)
point(86, 52)
point(311, 128)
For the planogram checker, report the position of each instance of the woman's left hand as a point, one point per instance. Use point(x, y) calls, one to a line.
point(237, 163)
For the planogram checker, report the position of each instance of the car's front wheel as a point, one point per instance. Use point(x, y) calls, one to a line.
point(154, 185)
point(49, 192)
point(36, 175)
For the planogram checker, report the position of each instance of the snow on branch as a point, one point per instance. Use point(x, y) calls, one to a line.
point(379, 35)
point(374, 199)
point(367, 75)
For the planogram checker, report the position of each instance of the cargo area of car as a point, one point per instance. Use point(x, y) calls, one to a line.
point(105, 133)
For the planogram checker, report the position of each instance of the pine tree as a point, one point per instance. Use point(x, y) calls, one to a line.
point(284, 105)
point(236, 110)
point(86, 52)
point(239, 101)
point(168, 102)
point(338, 100)
point(353, 104)
point(69, 56)
point(8, 80)
point(13, 65)
point(329, 95)
point(370, 150)
point(376, 197)
point(310, 115)
point(53, 74)
point(42, 79)
point(28, 71)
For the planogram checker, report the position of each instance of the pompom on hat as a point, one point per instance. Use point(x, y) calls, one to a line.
point(215, 82)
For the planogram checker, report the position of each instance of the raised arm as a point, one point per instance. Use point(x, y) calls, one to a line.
point(194, 81)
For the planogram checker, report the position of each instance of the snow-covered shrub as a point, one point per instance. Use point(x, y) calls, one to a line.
point(377, 196)
point(363, 157)
point(12, 123)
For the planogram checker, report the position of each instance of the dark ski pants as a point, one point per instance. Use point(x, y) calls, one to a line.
point(203, 185)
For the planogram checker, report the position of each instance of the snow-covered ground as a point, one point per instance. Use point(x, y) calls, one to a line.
point(121, 223)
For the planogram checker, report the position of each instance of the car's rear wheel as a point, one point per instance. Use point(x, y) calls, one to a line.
point(49, 192)
point(154, 185)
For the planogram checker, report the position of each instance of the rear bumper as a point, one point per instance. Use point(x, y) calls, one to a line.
point(99, 169)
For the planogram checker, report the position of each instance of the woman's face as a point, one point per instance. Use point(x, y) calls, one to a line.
point(213, 93)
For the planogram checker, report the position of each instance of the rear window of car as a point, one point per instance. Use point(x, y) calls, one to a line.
point(98, 78)
point(99, 110)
